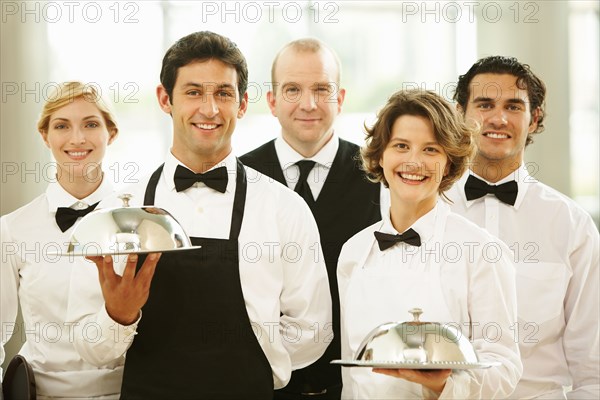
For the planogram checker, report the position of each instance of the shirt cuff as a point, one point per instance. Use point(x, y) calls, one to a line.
point(115, 329)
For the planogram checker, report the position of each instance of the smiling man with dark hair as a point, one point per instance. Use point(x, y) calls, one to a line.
point(229, 320)
point(555, 242)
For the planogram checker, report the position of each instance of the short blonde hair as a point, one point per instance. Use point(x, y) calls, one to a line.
point(66, 93)
point(450, 130)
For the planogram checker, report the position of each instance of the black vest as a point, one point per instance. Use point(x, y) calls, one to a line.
point(347, 204)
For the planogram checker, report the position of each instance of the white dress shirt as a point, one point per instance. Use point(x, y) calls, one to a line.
point(462, 274)
point(555, 246)
point(317, 176)
point(281, 268)
point(288, 157)
point(39, 282)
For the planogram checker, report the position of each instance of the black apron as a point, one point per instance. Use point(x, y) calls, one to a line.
point(195, 339)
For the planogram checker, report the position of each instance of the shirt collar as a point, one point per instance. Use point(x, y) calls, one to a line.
point(524, 181)
point(171, 163)
point(424, 226)
point(288, 156)
point(58, 197)
point(520, 175)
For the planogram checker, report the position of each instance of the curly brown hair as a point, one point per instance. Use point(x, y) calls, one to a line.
point(449, 128)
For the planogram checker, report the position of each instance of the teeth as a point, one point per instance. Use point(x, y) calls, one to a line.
point(77, 153)
point(412, 177)
point(496, 135)
point(206, 126)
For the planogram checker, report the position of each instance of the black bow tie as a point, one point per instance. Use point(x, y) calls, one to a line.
point(506, 192)
point(215, 179)
point(66, 217)
point(385, 240)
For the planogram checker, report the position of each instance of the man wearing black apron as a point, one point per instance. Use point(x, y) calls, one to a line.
point(216, 325)
point(220, 326)
point(325, 171)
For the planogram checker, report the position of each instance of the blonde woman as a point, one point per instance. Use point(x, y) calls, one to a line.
point(76, 125)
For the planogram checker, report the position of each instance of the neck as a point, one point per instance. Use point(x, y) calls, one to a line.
point(80, 187)
point(199, 164)
point(494, 170)
point(307, 149)
point(404, 214)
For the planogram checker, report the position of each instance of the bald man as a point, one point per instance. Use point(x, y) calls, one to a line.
point(311, 159)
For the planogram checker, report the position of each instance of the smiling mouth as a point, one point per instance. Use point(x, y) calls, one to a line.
point(206, 127)
point(78, 154)
point(496, 135)
point(412, 177)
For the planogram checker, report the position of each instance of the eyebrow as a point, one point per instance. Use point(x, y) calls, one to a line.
point(314, 84)
point(209, 84)
point(482, 99)
point(407, 141)
point(67, 119)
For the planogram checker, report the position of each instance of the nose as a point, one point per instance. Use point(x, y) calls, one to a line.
point(208, 106)
point(308, 101)
point(497, 117)
point(414, 161)
point(77, 136)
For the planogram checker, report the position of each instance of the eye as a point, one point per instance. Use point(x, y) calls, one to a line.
point(60, 126)
point(514, 107)
point(193, 93)
point(223, 94)
point(401, 146)
point(291, 90)
point(484, 106)
point(431, 149)
point(92, 124)
point(322, 92)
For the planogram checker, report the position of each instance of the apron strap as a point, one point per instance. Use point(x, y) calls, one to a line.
point(239, 202)
point(151, 187)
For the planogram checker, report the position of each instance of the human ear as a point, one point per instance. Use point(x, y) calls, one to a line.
point(271, 101)
point(533, 125)
point(44, 134)
point(163, 99)
point(112, 135)
point(243, 106)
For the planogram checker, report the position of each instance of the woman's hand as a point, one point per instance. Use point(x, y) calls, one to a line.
point(432, 379)
point(125, 295)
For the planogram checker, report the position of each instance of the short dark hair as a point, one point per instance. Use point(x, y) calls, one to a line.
point(202, 46)
point(449, 128)
point(526, 79)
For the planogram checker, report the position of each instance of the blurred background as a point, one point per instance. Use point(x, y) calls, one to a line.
point(384, 46)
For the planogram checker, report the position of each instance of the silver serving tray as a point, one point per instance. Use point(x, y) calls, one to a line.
point(415, 365)
point(125, 230)
point(92, 253)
